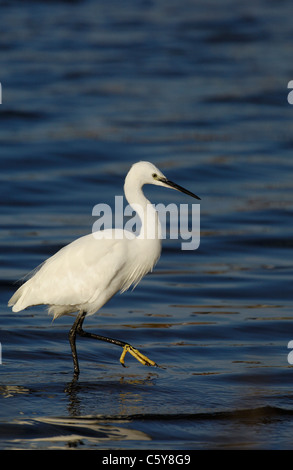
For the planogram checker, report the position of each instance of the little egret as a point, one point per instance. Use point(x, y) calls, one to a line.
point(84, 275)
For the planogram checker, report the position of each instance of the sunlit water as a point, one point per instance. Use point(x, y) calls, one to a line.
point(199, 89)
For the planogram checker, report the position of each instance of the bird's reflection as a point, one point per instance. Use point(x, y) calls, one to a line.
point(126, 395)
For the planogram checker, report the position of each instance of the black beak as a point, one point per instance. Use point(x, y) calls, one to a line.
point(179, 188)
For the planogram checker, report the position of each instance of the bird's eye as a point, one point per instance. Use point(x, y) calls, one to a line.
point(155, 176)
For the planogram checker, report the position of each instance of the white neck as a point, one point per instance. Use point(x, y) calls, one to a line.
point(150, 224)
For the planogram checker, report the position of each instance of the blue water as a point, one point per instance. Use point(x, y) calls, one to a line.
point(200, 89)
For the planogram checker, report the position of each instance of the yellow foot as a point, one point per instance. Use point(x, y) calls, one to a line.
point(138, 355)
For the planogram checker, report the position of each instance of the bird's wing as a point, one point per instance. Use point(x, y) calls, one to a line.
point(76, 274)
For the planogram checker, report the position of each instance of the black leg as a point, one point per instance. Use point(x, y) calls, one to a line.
point(72, 338)
point(77, 329)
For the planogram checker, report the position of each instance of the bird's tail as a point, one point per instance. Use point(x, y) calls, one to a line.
point(19, 300)
point(16, 300)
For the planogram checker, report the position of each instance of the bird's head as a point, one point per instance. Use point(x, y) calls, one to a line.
point(146, 173)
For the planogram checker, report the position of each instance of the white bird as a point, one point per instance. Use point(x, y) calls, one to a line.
point(87, 273)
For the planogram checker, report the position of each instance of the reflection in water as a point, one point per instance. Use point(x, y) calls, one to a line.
point(72, 432)
point(74, 404)
point(9, 391)
point(128, 394)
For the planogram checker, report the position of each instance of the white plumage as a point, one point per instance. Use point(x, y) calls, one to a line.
point(84, 275)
